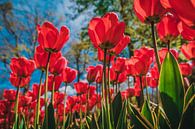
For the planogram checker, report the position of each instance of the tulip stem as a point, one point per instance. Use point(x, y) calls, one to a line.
point(46, 90)
point(36, 124)
point(64, 112)
point(16, 105)
point(109, 60)
point(106, 90)
point(53, 89)
point(142, 91)
point(156, 56)
point(104, 69)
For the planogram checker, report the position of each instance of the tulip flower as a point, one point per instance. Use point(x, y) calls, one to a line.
point(138, 66)
point(167, 28)
point(35, 89)
point(92, 73)
point(119, 65)
point(99, 77)
point(148, 11)
point(185, 10)
point(57, 64)
point(186, 69)
point(10, 95)
point(120, 46)
point(50, 39)
point(189, 50)
point(106, 32)
point(81, 87)
point(54, 80)
point(186, 32)
point(21, 70)
point(68, 75)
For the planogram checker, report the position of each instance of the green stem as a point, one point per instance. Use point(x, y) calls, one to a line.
point(46, 90)
point(155, 46)
point(104, 70)
point(109, 60)
point(38, 103)
point(142, 91)
point(64, 112)
point(16, 105)
point(53, 89)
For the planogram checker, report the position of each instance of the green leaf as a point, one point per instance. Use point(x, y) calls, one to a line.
point(116, 108)
point(122, 120)
point(146, 111)
point(67, 122)
point(23, 123)
point(188, 117)
point(138, 120)
point(51, 119)
point(171, 89)
point(92, 122)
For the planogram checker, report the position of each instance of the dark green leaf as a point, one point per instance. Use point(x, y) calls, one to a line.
point(171, 89)
point(51, 119)
point(116, 108)
point(146, 111)
point(122, 120)
point(188, 117)
point(139, 121)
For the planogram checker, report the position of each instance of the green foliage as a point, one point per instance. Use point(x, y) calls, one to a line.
point(171, 89)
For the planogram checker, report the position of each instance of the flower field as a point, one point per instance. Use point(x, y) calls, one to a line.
point(152, 89)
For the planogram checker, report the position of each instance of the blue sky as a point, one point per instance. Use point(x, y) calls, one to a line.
point(62, 13)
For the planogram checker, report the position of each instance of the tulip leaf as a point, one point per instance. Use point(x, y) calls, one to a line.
point(188, 117)
point(171, 89)
point(146, 111)
point(122, 120)
point(51, 119)
point(116, 108)
point(92, 123)
point(138, 120)
point(67, 122)
point(23, 123)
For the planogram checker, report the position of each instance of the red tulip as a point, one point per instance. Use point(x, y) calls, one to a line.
point(99, 77)
point(185, 9)
point(122, 77)
point(162, 53)
point(120, 46)
point(40, 57)
point(81, 87)
point(186, 69)
point(189, 50)
point(35, 89)
point(9, 95)
point(21, 70)
point(58, 98)
point(57, 80)
point(92, 73)
point(106, 32)
point(148, 10)
point(154, 72)
point(167, 28)
point(119, 65)
point(152, 82)
point(138, 66)
point(70, 102)
point(68, 75)
point(145, 53)
point(50, 39)
point(57, 64)
point(186, 32)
